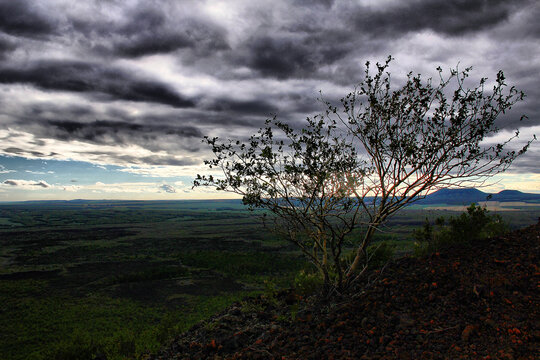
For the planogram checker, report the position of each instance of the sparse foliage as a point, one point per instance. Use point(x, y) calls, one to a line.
point(305, 179)
point(475, 224)
point(307, 283)
point(358, 164)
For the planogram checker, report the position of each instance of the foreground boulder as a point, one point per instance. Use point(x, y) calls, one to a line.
point(473, 301)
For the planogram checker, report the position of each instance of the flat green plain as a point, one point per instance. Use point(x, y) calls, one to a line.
point(121, 278)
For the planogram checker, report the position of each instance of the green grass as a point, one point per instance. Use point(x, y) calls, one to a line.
point(121, 278)
point(239, 264)
point(52, 327)
point(82, 280)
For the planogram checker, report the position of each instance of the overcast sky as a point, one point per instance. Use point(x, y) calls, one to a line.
point(110, 99)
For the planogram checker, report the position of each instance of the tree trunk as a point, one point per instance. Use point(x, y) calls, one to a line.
point(360, 253)
point(325, 253)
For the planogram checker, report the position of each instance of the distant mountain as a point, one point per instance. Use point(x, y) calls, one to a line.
point(467, 196)
point(464, 196)
point(514, 195)
point(455, 196)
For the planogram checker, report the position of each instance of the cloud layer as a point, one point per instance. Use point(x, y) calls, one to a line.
point(138, 83)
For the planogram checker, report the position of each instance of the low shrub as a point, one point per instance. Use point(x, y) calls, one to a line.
point(475, 224)
point(308, 283)
point(379, 254)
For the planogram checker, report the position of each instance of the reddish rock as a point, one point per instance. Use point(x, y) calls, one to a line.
point(467, 332)
point(486, 306)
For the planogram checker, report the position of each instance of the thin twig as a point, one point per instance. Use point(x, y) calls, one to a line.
point(441, 330)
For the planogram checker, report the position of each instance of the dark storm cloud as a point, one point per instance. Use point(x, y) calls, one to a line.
point(143, 19)
point(527, 164)
point(48, 109)
point(214, 119)
point(24, 18)
point(326, 42)
point(6, 46)
point(145, 160)
point(187, 117)
point(260, 107)
point(305, 47)
point(115, 132)
point(170, 130)
point(451, 17)
point(530, 24)
point(183, 122)
point(241, 64)
point(145, 44)
point(148, 30)
point(325, 3)
point(165, 38)
point(160, 160)
point(284, 57)
point(82, 77)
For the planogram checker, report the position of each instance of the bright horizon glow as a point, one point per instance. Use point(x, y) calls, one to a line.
point(24, 179)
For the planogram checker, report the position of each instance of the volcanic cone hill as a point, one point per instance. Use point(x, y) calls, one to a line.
point(472, 301)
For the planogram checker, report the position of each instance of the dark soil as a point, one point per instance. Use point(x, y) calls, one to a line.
point(472, 301)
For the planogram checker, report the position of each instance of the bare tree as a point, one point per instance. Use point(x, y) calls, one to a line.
point(359, 164)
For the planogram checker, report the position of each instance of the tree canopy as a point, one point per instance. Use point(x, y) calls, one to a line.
point(359, 162)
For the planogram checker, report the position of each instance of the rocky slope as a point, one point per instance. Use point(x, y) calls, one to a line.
point(479, 301)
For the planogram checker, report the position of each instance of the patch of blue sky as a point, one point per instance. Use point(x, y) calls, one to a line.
point(68, 172)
